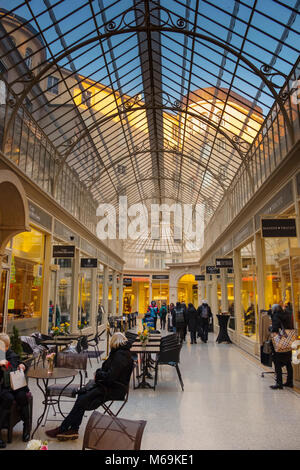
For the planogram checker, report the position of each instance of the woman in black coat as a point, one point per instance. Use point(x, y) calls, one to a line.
point(192, 322)
point(111, 383)
point(281, 318)
point(12, 363)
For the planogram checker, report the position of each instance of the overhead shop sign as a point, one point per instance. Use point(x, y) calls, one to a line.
point(200, 277)
point(212, 270)
point(160, 276)
point(127, 281)
point(89, 263)
point(278, 228)
point(224, 262)
point(63, 251)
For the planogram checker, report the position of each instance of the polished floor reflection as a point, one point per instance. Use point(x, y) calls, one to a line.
point(226, 404)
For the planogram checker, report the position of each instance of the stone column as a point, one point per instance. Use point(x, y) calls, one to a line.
point(114, 293)
point(74, 294)
point(237, 292)
point(224, 296)
point(121, 294)
point(94, 300)
point(260, 270)
point(150, 289)
point(46, 284)
point(105, 292)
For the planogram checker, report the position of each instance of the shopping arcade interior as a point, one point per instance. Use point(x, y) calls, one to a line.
point(129, 128)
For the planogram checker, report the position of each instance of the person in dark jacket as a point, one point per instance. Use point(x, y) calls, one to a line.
point(281, 318)
point(163, 315)
point(204, 312)
point(12, 363)
point(192, 322)
point(173, 317)
point(185, 313)
point(111, 383)
point(180, 321)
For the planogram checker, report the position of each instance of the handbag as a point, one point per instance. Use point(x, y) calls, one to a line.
point(17, 380)
point(267, 348)
point(282, 341)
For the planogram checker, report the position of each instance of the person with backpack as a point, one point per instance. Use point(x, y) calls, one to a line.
point(153, 312)
point(180, 321)
point(192, 322)
point(204, 312)
point(163, 315)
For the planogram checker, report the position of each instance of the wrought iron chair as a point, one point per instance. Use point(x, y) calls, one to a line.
point(104, 432)
point(70, 361)
point(169, 356)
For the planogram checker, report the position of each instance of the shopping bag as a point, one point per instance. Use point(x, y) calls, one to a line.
point(282, 341)
point(17, 380)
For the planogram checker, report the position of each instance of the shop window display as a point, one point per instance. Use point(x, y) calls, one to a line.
point(230, 300)
point(249, 291)
point(26, 276)
point(277, 271)
point(84, 297)
point(61, 292)
point(187, 293)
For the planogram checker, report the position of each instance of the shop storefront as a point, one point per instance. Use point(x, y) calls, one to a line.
point(188, 290)
point(24, 281)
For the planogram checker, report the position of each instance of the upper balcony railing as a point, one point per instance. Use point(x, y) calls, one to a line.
point(268, 150)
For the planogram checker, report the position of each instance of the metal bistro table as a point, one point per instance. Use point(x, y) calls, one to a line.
point(63, 341)
point(42, 374)
point(145, 351)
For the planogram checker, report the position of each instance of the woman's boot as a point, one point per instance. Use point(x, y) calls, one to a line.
point(26, 423)
point(3, 416)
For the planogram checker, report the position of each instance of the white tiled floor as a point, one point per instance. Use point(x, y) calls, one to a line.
point(226, 404)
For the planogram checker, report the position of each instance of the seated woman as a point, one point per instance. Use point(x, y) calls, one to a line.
point(7, 395)
point(111, 383)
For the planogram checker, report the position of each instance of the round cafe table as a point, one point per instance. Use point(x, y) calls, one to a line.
point(42, 377)
point(223, 336)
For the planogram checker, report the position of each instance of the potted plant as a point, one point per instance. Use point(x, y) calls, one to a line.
point(15, 342)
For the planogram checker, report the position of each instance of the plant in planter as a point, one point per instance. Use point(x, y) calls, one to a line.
point(15, 342)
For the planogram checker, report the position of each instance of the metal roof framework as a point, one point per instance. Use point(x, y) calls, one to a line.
point(166, 78)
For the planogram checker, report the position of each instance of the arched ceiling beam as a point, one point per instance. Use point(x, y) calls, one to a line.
point(30, 80)
point(174, 152)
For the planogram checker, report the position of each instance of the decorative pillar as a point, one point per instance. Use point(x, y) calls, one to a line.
point(150, 289)
point(114, 293)
point(121, 294)
point(74, 294)
point(105, 292)
point(260, 271)
point(46, 284)
point(94, 301)
point(237, 292)
point(214, 297)
point(224, 296)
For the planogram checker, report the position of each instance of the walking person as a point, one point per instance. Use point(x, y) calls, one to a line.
point(163, 315)
point(281, 319)
point(185, 313)
point(180, 321)
point(192, 322)
point(204, 312)
point(173, 317)
point(153, 311)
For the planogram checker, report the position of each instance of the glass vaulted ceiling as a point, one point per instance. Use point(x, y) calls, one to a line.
point(155, 100)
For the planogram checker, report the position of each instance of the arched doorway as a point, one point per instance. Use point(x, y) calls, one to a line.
point(14, 219)
point(187, 289)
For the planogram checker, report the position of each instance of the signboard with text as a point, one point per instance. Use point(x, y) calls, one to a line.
point(200, 277)
point(278, 228)
point(63, 251)
point(212, 270)
point(224, 262)
point(89, 263)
